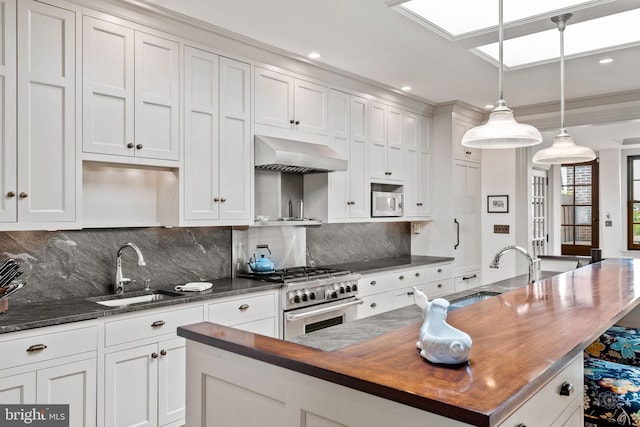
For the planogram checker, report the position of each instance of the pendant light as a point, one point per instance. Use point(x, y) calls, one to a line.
point(563, 149)
point(501, 130)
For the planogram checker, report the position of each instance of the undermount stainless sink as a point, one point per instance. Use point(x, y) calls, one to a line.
point(134, 298)
point(471, 299)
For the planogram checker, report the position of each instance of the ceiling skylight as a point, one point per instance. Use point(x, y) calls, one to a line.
point(459, 17)
point(605, 33)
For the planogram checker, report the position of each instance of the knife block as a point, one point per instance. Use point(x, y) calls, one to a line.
point(4, 305)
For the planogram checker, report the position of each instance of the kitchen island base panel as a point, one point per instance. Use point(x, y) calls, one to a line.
point(226, 389)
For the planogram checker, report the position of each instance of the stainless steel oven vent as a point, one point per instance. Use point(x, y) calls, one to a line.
point(286, 155)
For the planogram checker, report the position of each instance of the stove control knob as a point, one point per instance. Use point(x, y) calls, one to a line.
point(295, 298)
point(334, 294)
point(348, 288)
point(354, 287)
point(312, 295)
point(305, 296)
point(341, 289)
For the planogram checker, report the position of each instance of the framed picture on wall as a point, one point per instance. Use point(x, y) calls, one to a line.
point(498, 204)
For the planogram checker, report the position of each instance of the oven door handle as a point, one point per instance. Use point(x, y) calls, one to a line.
point(292, 316)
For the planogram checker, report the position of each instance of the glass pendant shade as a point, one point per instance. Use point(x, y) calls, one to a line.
point(563, 150)
point(501, 131)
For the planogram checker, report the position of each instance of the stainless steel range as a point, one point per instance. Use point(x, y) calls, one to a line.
point(313, 298)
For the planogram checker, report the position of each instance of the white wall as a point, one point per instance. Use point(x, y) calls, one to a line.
point(498, 178)
point(612, 204)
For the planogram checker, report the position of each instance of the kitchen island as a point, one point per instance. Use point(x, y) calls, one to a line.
point(524, 342)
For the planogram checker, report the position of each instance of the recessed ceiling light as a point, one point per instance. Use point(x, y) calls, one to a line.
point(405, 88)
point(313, 55)
point(605, 61)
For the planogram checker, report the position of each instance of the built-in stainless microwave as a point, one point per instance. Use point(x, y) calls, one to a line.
point(385, 203)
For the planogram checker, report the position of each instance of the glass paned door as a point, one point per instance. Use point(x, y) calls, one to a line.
point(579, 200)
point(633, 216)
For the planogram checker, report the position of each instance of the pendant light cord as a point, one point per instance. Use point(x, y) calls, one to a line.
point(500, 42)
point(561, 27)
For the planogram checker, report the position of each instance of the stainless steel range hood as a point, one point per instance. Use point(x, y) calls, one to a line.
point(286, 155)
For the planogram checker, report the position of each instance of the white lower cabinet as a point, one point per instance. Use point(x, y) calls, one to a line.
point(54, 365)
point(257, 313)
point(468, 281)
point(144, 367)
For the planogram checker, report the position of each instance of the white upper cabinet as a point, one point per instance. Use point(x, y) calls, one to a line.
point(385, 152)
point(349, 190)
point(218, 170)
point(131, 93)
point(461, 125)
point(289, 107)
point(416, 164)
point(46, 117)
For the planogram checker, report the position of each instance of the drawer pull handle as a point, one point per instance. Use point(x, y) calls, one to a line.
point(157, 323)
point(439, 285)
point(154, 355)
point(401, 277)
point(410, 293)
point(566, 389)
point(36, 347)
point(163, 352)
point(373, 283)
point(470, 277)
point(243, 307)
point(417, 274)
point(374, 305)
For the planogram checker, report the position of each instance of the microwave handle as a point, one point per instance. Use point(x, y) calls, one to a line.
point(455, 220)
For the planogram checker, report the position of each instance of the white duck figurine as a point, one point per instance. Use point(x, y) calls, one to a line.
point(440, 342)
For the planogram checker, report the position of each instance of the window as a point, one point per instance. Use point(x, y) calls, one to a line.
point(539, 213)
point(579, 200)
point(633, 214)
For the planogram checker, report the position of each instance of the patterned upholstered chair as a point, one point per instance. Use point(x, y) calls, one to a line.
point(612, 379)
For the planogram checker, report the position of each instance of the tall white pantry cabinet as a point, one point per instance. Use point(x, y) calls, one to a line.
point(38, 144)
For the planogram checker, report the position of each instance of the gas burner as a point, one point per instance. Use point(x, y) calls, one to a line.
point(293, 274)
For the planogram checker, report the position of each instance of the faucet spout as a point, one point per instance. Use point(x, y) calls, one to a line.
point(496, 259)
point(120, 280)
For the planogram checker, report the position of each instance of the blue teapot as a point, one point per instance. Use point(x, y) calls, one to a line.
point(262, 264)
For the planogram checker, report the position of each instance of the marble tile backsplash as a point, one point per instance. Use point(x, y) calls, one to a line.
point(81, 263)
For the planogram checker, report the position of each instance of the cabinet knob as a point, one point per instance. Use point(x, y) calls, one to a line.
point(157, 323)
point(216, 199)
point(566, 389)
point(418, 274)
point(23, 195)
point(130, 145)
point(243, 307)
point(419, 203)
point(36, 347)
point(410, 293)
point(439, 285)
point(11, 194)
point(154, 355)
point(297, 122)
point(222, 200)
point(374, 305)
point(439, 270)
point(401, 277)
point(373, 283)
point(139, 147)
point(163, 352)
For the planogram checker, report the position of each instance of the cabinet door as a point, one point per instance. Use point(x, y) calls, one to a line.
point(339, 194)
point(8, 141)
point(310, 107)
point(394, 144)
point(410, 162)
point(108, 87)
point(46, 113)
point(460, 127)
point(358, 155)
point(378, 144)
point(201, 135)
point(131, 384)
point(171, 381)
point(466, 206)
point(273, 98)
point(18, 389)
point(424, 168)
point(235, 140)
point(73, 384)
point(156, 97)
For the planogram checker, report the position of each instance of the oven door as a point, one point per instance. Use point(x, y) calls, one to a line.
point(309, 319)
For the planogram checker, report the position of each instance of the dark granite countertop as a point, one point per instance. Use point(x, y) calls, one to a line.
point(360, 330)
point(372, 266)
point(21, 316)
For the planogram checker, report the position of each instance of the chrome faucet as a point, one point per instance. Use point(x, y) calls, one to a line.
point(120, 280)
point(496, 259)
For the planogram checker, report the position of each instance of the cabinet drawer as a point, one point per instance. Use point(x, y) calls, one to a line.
point(468, 281)
point(402, 279)
point(549, 398)
point(373, 284)
point(240, 310)
point(266, 326)
point(437, 272)
point(47, 346)
point(374, 304)
point(150, 325)
point(403, 297)
point(439, 288)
